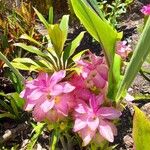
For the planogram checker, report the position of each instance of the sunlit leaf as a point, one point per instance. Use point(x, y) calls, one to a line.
point(141, 130)
point(98, 28)
point(27, 37)
point(42, 19)
point(70, 49)
point(30, 48)
point(64, 25)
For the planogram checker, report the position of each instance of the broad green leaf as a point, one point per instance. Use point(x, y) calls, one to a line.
point(57, 38)
point(70, 49)
point(30, 48)
point(98, 28)
point(26, 61)
point(96, 8)
point(27, 37)
point(141, 130)
point(64, 26)
point(139, 56)
point(148, 58)
point(42, 19)
point(21, 66)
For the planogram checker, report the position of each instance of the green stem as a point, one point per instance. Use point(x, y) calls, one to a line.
point(54, 140)
point(16, 72)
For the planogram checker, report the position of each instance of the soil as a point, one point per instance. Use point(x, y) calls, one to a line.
point(124, 141)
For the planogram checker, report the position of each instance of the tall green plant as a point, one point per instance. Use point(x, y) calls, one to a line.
point(140, 53)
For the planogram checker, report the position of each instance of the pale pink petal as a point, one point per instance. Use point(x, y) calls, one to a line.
point(109, 113)
point(35, 94)
point(86, 135)
point(67, 87)
point(93, 124)
point(29, 106)
point(56, 77)
point(106, 131)
point(47, 105)
point(81, 108)
point(57, 89)
point(79, 124)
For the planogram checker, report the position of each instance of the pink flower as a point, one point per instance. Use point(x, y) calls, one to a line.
point(81, 91)
point(123, 49)
point(94, 71)
point(93, 118)
point(146, 9)
point(46, 93)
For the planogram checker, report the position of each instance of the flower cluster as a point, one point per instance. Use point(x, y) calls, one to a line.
point(81, 96)
point(146, 10)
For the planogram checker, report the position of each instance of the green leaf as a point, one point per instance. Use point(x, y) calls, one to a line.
point(16, 72)
point(64, 26)
point(14, 107)
point(76, 57)
point(57, 38)
point(7, 115)
point(114, 77)
point(31, 49)
point(139, 56)
point(19, 101)
point(37, 132)
point(98, 28)
point(42, 19)
point(51, 16)
point(27, 37)
point(70, 49)
point(141, 130)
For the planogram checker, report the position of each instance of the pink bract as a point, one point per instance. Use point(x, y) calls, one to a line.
point(146, 9)
point(123, 49)
point(46, 93)
point(94, 71)
point(93, 118)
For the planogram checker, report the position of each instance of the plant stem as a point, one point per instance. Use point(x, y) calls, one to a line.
point(54, 141)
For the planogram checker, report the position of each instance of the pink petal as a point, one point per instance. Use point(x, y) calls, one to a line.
point(87, 135)
point(62, 107)
point(35, 94)
point(79, 124)
point(29, 106)
point(93, 124)
point(67, 87)
point(103, 71)
point(106, 131)
point(47, 105)
point(109, 113)
point(81, 108)
point(56, 77)
point(40, 110)
point(57, 89)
